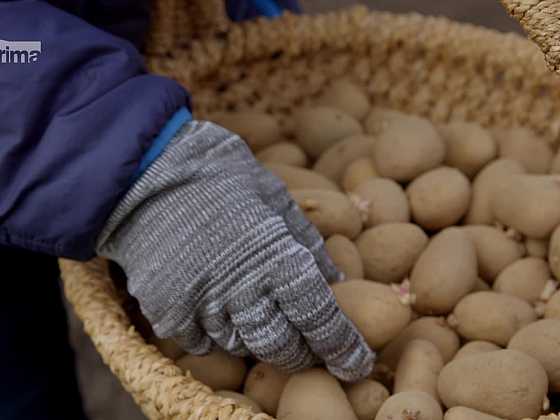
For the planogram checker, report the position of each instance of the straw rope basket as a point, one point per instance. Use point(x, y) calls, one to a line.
point(421, 65)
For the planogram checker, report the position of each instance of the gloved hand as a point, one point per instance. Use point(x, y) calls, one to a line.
point(217, 252)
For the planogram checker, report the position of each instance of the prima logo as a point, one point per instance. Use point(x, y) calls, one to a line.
point(19, 52)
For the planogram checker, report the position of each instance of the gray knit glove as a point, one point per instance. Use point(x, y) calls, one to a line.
point(217, 252)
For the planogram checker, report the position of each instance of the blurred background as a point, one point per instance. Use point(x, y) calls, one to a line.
point(103, 396)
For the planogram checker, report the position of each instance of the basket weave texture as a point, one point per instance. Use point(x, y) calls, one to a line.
point(421, 65)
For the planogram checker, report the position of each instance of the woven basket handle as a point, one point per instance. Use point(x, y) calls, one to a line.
point(541, 21)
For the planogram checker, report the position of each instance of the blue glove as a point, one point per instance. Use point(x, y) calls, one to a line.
point(249, 9)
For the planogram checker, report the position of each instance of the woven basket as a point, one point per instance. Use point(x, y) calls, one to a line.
point(421, 65)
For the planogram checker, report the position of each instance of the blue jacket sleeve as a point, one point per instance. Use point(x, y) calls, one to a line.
point(75, 121)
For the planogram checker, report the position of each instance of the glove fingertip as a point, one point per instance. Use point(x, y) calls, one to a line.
point(357, 366)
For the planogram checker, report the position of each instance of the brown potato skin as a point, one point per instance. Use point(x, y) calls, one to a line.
point(384, 201)
point(465, 413)
point(445, 272)
point(374, 308)
point(524, 146)
point(330, 211)
point(347, 96)
point(357, 172)
point(405, 404)
point(264, 385)
point(476, 347)
point(314, 394)
point(285, 153)
point(525, 278)
point(345, 256)
point(540, 341)
point(390, 250)
point(491, 316)
point(258, 129)
point(366, 398)
point(419, 368)
point(318, 128)
point(503, 383)
point(219, 370)
point(552, 309)
point(300, 178)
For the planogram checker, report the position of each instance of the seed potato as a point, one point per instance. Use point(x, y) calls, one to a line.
point(465, 413)
point(541, 340)
point(536, 247)
point(314, 394)
point(374, 308)
point(491, 316)
point(525, 278)
point(380, 119)
point(366, 398)
point(413, 405)
point(345, 256)
point(218, 369)
point(488, 179)
point(390, 250)
point(258, 129)
point(439, 198)
point(381, 200)
point(445, 272)
point(552, 309)
point(476, 347)
point(469, 146)
point(318, 128)
point(503, 383)
point(264, 385)
point(330, 211)
point(419, 368)
point(554, 253)
point(284, 153)
point(529, 204)
point(167, 347)
point(407, 149)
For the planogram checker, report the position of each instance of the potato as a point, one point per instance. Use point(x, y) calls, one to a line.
point(412, 405)
point(381, 200)
point(374, 308)
point(167, 347)
point(380, 119)
point(552, 308)
point(300, 178)
point(433, 329)
point(491, 316)
point(330, 211)
point(257, 129)
point(439, 198)
point(465, 413)
point(524, 146)
point(494, 250)
point(390, 250)
point(264, 385)
point(345, 256)
point(314, 394)
point(444, 273)
point(488, 179)
point(241, 400)
point(336, 158)
point(366, 398)
point(285, 153)
point(407, 149)
point(419, 368)
point(554, 253)
point(469, 146)
point(541, 340)
point(529, 204)
point(536, 247)
point(504, 383)
point(318, 128)
point(218, 369)
point(347, 96)
point(476, 347)
point(525, 278)
point(357, 172)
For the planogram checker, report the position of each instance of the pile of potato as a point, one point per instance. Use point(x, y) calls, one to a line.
point(449, 238)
